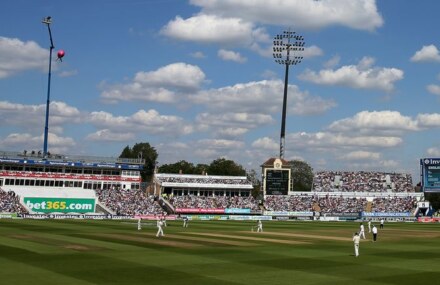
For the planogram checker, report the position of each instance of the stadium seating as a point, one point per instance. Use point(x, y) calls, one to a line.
point(10, 203)
point(129, 202)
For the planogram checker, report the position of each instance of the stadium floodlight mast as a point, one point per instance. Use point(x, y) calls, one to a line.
point(47, 21)
point(287, 48)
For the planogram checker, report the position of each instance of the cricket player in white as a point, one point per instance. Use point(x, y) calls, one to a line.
point(159, 228)
point(362, 231)
point(369, 226)
point(139, 224)
point(185, 222)
point(356, 240)
point(259, 227)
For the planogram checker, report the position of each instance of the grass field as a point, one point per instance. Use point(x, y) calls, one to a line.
point(214, 252)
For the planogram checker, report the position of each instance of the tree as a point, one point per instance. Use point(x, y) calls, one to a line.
point(302, 175)
point(256, 183)
point(184, 166)
point(225, 167)
point(146, 152)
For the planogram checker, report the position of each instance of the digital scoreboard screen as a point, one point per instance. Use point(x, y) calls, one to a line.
point(430, 172)
point(277, 181)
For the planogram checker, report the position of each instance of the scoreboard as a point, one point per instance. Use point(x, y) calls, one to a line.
point(277, 181)
point(430, 174)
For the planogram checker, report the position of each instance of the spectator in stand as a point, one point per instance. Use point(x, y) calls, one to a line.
point(129, 202)
point(362, 181)
point(10, 203)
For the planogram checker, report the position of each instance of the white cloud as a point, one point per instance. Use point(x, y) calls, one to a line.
point(162, 85)
point(212, 29)
point(198, 54)
point(428, 120)
point(389, 122)
point(361, 155)
point(361, 14)
point(232, 124)
point(433, 89)
point(108, 135)
point(312, 51)
point(60, 113)
point(149, 121)
point(260, 97)
point(361, 76)
point(68, 73)
point(266, 143)
point(332, 62)
point(427, 53)
point(57, 144)
point(230, 55)
point(433, 151)
point(329, 141)
point(17, 56)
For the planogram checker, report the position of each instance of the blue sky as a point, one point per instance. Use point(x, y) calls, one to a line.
point(196, 79)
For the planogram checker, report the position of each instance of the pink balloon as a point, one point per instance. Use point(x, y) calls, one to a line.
point(60, 54)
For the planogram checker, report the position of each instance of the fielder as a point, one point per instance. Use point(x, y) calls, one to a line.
point(139, 224)
point(259, 227)
point(185, 222)
point(369, 226)
point(356, 240)
point(159, 228)
point(362, 231)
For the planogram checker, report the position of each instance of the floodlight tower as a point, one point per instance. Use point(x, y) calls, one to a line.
point(47, 21)
point(287, 48)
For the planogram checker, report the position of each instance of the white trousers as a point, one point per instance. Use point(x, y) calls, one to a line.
point(159, 231)
point(356, 249)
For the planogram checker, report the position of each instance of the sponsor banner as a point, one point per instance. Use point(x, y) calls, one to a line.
point(208, 217)
point(250, 218)
point(348, 215)
point(59, 205)
point(66, 176)
point(34, 216)
point(237, 211)
point(155, 217)
point(328, 219)
point(202, 211)
point(428, 220)
point(8, 216)
point(385, 214)
point(287, 213)
point(70, 216)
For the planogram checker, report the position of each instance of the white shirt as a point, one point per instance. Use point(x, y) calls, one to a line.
point(362, 228)
point(374, 230)
point(356, 239)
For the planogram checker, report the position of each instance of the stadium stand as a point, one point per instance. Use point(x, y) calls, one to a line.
point(213, 202)
point(362, 181)
point(10, 203)
point(129, 202)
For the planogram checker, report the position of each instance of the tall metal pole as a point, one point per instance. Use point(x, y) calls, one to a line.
point(48, 21)
point(283, 45)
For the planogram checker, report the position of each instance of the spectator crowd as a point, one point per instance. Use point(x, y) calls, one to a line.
point(129, 202)
point(10, 203)
point(213, 202)
point(361, 181)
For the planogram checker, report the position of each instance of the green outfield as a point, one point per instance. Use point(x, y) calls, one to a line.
point(214, 252)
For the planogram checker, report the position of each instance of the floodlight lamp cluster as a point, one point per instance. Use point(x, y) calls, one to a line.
point(47, 20)
point(285, 44)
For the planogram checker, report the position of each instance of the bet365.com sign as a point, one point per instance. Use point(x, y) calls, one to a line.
point(59, 205)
